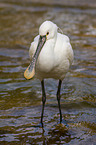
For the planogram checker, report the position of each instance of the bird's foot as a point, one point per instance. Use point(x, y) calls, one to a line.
point(64, 122)
point(40, 125)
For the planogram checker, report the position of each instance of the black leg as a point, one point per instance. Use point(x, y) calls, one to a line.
point(43, 101)
point(58, 99)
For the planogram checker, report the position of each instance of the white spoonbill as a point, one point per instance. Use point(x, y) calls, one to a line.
point(51, 57)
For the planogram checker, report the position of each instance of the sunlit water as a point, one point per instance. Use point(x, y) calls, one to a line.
point(20, 99)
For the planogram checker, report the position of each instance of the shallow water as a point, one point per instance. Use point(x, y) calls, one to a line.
point(20, 99)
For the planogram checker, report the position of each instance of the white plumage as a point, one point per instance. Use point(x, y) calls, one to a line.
point(51, 56)
point(56, 55)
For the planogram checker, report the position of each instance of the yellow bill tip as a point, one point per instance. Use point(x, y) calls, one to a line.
point(29, 75)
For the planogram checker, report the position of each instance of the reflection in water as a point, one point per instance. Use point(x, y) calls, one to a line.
point(54, 136)
point(58, 133)
point(20, 100)
point(35, 135)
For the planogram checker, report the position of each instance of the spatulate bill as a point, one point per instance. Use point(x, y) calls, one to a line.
point(30, 71)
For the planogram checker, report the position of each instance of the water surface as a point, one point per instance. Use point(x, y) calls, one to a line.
point(20, 99)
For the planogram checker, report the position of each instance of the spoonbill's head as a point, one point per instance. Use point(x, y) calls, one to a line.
point(47, 31)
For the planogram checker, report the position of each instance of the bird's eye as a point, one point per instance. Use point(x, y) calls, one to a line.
point(47, 33)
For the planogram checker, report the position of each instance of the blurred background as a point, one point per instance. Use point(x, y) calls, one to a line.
point(20, 99)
